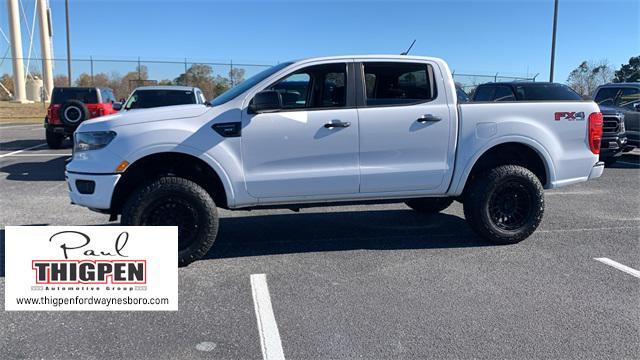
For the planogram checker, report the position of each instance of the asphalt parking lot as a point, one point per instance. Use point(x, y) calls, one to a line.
point(369, 282)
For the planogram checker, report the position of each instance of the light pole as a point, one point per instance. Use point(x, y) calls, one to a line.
point(66, 12)
point(553, 38)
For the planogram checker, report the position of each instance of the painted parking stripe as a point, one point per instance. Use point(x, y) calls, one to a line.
point(19, 126)
point(267, 326)
point(41, 154)
point(19, 151)
point(617, 265)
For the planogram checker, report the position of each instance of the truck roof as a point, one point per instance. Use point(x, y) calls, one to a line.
point(167, 87)
point(374, 56)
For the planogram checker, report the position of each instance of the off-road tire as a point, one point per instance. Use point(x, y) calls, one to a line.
point(429, 205)
point(54, 140)
point(79, 109)
point(488, 196)
point(173, 201)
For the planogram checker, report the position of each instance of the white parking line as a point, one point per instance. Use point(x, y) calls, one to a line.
point(19, 126)
point(267, 326)
point(41, 154)
point(617, 265)
point(19, 151)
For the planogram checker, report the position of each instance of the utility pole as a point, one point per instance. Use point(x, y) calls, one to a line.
point(45, 47)
point(553, 38)
point(66, 12)
point(19, 90)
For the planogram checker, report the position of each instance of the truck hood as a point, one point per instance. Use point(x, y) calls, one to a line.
point(610, 110)
point(146, 115)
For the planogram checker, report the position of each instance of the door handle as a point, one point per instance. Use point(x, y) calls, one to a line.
point(337, 124)
point(426, 118)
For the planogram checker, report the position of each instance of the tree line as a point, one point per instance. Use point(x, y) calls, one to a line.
point(198, 75)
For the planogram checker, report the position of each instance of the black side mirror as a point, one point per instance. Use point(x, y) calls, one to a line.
point(266, 101)
point(636, 106)
point(117, 106)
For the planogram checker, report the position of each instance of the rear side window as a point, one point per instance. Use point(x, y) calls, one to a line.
point(389, 83)
point(107, 96)
point(86, 95)
point(143, 99)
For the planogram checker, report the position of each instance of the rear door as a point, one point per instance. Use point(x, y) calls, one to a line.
point(405, 127)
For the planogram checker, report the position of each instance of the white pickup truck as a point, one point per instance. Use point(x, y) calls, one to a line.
point(332, 130)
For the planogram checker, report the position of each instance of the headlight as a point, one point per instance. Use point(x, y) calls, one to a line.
point(85, 141)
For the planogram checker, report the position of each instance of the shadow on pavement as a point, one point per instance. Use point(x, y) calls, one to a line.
point(340, 231)
point(14, 145)
point(627, 161)
point(51, 170)
point(242, 236)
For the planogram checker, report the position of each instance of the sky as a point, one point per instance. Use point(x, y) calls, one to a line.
point(508, 37)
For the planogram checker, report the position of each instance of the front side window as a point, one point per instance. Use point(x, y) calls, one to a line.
point(317, 87)
point(389, 83)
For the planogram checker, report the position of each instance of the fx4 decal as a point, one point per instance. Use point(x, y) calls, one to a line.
point(571, 116)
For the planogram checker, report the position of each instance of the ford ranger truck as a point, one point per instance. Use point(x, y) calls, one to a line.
point(332, 130)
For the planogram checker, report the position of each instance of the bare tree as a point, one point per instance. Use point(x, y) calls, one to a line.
point(588, 76)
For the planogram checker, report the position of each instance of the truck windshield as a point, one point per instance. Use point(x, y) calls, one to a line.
point(625, 97)
point(247, 84)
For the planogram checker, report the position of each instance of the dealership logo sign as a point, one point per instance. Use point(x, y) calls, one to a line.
point(91, 268)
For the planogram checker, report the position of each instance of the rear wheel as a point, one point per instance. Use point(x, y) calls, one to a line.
point(505, 205)
point(429, 205)
point(174, 201)
point(54, 140)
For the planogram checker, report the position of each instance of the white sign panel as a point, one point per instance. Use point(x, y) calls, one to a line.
point(91, 268)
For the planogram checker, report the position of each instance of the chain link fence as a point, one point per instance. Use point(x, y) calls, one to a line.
point(123, 75)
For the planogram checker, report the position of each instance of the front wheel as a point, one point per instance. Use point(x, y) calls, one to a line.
point(505, 205)
point(174, 201)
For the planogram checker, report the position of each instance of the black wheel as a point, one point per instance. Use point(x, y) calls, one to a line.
point(505, 205)
point(73, 112)
point(54, 140)
point(170, 201)
point(429, 205)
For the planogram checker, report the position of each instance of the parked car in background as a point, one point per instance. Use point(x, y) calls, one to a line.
point(614, 137)
point(70, 106)
point(342, 129)
point(156, 96)
point(625, 99)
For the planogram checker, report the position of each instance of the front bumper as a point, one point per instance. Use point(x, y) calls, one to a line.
point(103, 186)
point(596, 170)
point(612, 146)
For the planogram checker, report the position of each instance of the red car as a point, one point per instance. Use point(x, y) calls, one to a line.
point(70, 106)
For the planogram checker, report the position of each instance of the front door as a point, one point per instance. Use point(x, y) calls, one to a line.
point(405, 129)
point(310, 146)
